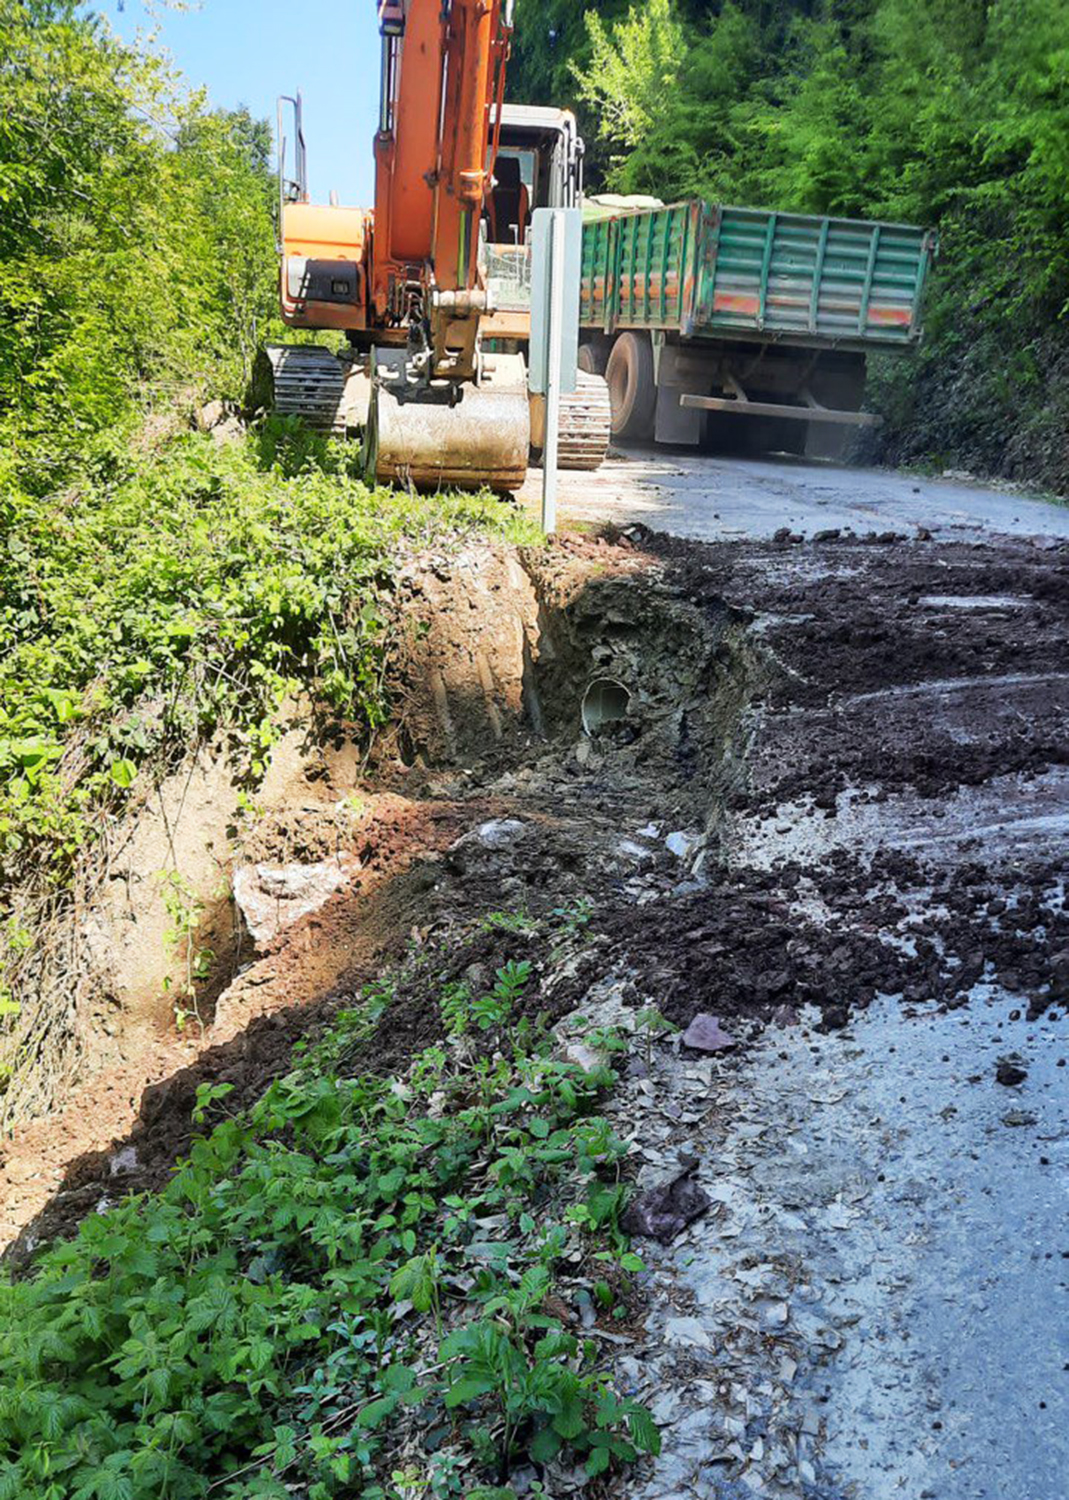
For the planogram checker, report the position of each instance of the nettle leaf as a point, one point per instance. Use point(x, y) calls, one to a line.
point(643, 1430)
point(546, 1445)
point(468, 1388)
point(122, 772)
point(569, 1419)
point(597, 1462)
point(400, 1378)
point(416, 1282)
point(376, 1412)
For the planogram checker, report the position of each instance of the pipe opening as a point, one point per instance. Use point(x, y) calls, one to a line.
point(605, 702)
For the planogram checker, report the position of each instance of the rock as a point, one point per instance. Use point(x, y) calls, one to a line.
point(124, 1160)
point(230, 430)
point(705, 1034)
point(582, 1056)
point(499, 833)
point(686, 1331)
point(682, 845)
point(834, 1018)
point(1011, 1072)
point(832, 534)
point(663, 1212)
point(636, 853)
point(209, 416)
point(271, 898)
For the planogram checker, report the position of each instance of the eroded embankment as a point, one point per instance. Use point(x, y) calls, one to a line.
point(500, 660)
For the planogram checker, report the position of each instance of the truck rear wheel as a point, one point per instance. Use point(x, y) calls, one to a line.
point(632, 388)
point(839, 384)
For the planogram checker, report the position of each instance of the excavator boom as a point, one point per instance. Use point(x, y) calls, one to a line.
point(443, 70)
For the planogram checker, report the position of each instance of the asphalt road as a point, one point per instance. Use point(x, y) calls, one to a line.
point(722, 499)
point(919, 1206)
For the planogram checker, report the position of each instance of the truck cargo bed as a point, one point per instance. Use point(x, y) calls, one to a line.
point(707, 271)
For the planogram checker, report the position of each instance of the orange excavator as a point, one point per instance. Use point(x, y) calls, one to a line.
point(432, 400)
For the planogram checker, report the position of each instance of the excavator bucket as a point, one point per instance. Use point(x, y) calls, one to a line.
point(465, 435)
point(470, 436)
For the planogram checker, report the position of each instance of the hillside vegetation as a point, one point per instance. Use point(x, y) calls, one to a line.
point(312, 1293)
point(350, 1290)
point(953, 113)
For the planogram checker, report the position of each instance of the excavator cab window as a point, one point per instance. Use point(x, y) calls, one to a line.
point(509, 205)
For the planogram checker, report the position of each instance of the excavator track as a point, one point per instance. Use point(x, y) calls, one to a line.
point(585, 424)
point(309, 382)
point(332, 395)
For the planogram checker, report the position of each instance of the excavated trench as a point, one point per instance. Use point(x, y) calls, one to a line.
point(817, 792)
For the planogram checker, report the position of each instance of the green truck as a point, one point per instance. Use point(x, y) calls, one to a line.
point(712, 325)
point(700, 314)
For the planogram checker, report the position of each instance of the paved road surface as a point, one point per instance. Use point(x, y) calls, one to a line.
point(721, 499)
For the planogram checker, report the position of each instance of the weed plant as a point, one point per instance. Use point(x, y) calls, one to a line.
point(355, 1262)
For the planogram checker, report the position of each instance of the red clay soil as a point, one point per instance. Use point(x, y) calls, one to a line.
point(287, 995)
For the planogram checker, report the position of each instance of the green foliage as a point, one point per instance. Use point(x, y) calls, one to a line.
point(539, 1382)
point(136, 239)
point(487, 1012)
point(954, 114)
point(190, 591)
point(633, 70)
point(263, 1324)
point(169, 596)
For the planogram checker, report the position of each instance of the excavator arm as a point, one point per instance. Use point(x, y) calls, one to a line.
point(443, 70)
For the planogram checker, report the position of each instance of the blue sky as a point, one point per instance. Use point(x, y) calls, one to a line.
point(250, 51)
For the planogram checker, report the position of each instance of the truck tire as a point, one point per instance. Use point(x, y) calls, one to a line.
point(632, 388)
point(839, 383)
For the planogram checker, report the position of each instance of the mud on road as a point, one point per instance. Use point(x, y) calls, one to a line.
point(818, 790)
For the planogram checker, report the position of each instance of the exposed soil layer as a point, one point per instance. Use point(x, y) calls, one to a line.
point(856, 745)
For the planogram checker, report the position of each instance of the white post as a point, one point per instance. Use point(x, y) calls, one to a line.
point(553, 375)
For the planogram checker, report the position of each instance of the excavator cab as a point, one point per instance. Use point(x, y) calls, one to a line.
point(539, 165)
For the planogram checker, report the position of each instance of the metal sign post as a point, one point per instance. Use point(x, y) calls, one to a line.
point(557, 247)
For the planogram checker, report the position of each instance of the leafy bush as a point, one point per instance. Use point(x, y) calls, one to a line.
point(194, 591)
point(168, 596)
point(136, 240)
point(268, 1319)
